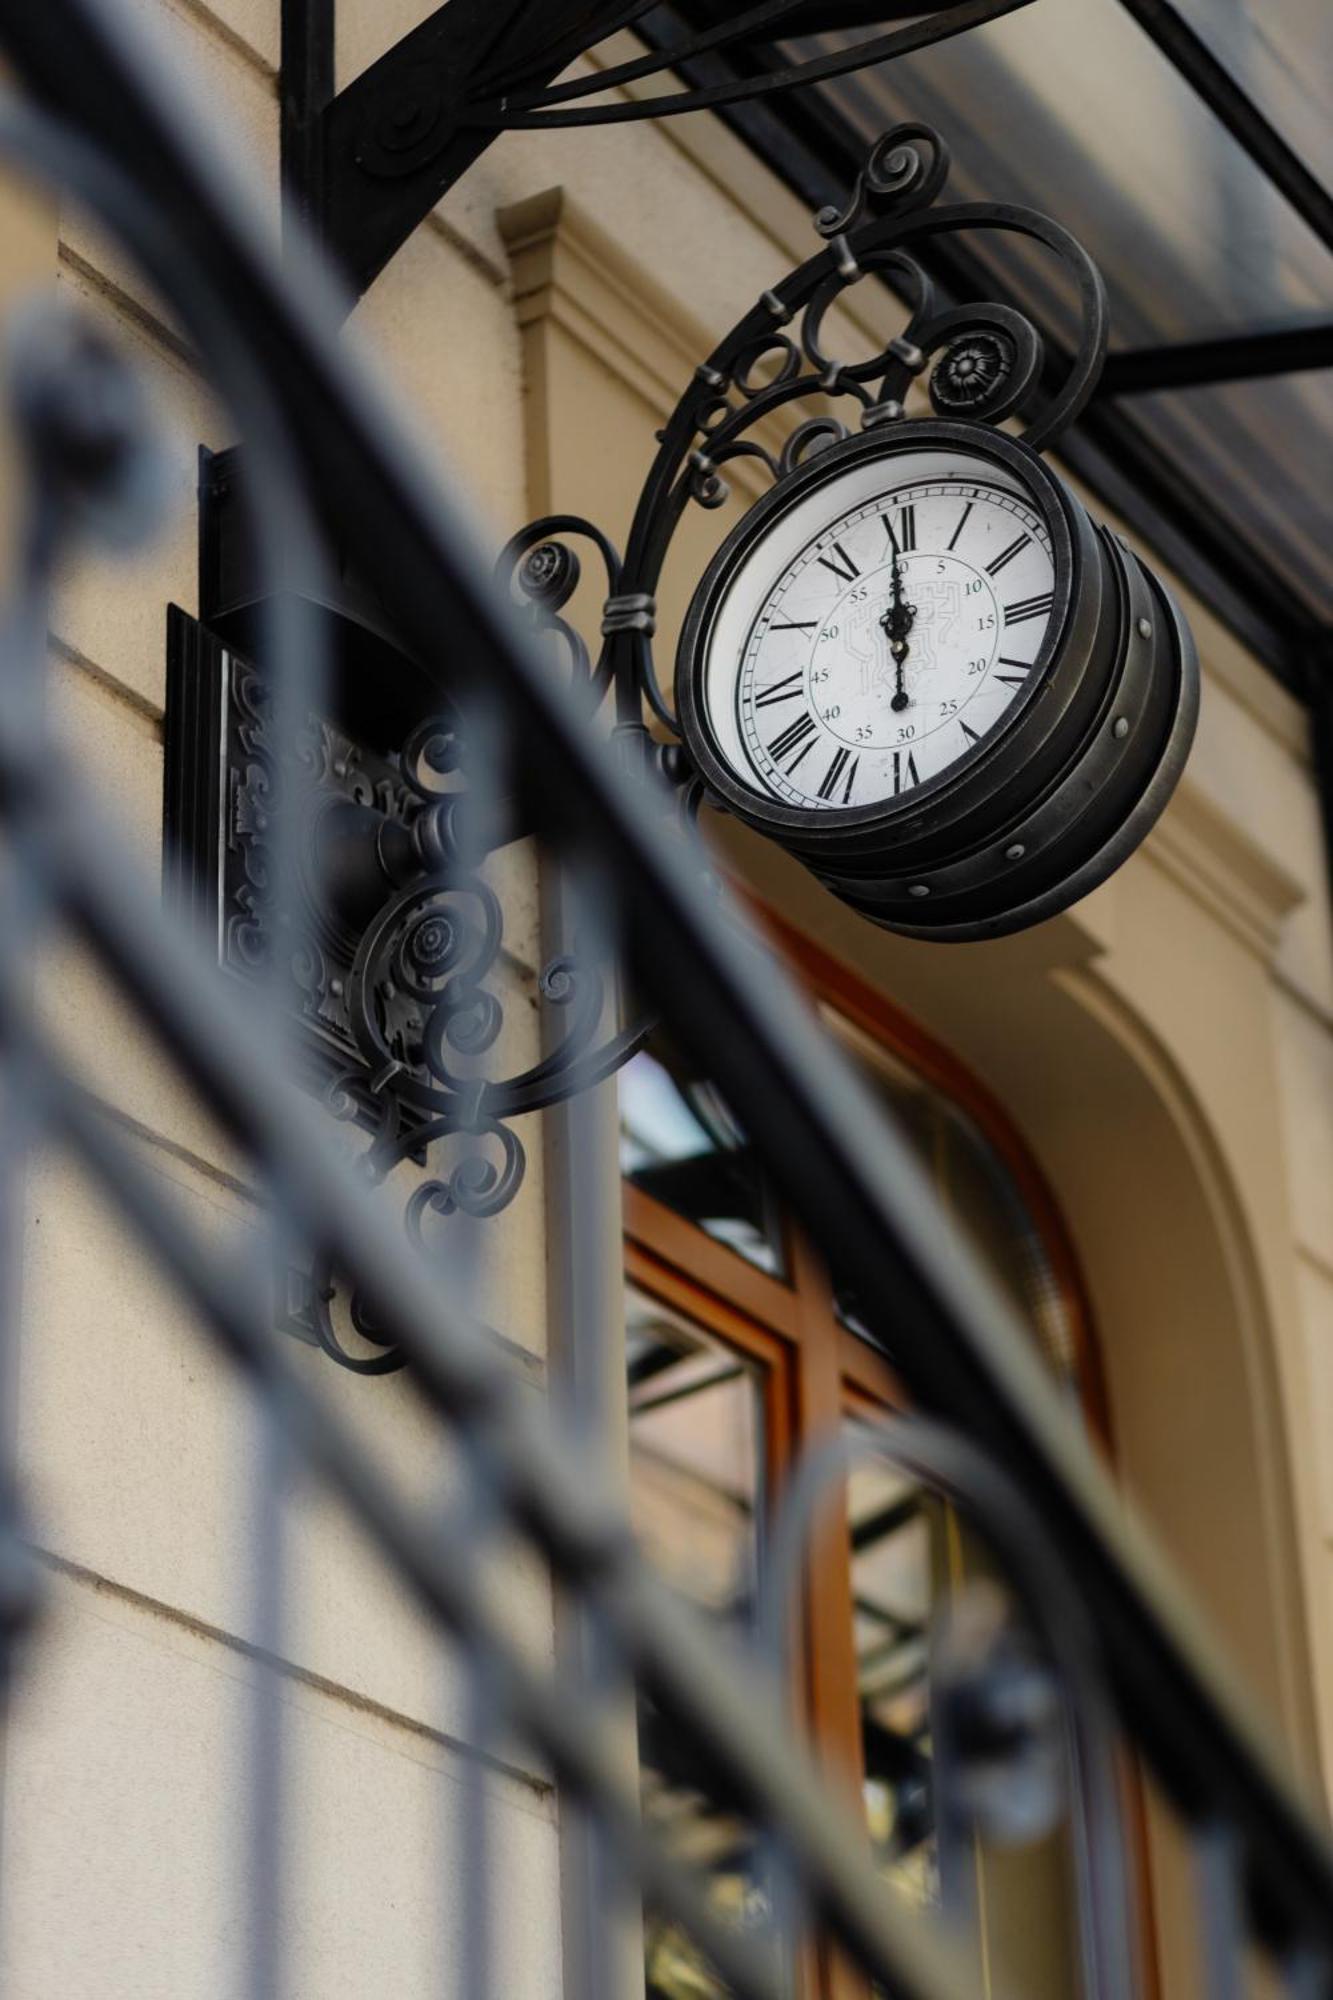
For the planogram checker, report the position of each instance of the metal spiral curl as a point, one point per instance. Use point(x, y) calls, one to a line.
point(436, 746)
point(980, 361)
point(906, 168)
point(540, 574)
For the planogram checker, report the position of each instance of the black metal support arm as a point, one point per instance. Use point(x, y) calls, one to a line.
point(380, 154)
point(1242, 357)
point(307, 84)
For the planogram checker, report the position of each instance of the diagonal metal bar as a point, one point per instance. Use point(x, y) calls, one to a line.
point(847, 1176)
point(737, 90)
point(222, 1044)
point(1189, 53)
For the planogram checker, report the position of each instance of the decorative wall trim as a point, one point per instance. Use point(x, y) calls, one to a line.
point(566, 267)
point(1217, 862)
point(570, 272)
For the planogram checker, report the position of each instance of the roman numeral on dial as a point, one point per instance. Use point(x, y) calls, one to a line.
point(904, 536)
point(785, 690)
point(1007, 555)
point(904, 771)
point(972, 735)
point(1024, 608)
point(797, 736)
point(786, 625)
point(834, 773)
point(1014, 680)
point(841, 564)
point(962, 523)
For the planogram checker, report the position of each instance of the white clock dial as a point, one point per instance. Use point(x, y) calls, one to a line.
point(880, 631)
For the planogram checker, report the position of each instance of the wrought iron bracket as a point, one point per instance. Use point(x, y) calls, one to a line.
point(979, 361)
point(401, 934)
point(378, 157)
point(392, 953)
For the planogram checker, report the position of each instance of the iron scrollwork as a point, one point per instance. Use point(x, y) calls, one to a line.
point(396, 978)
point(982, 360)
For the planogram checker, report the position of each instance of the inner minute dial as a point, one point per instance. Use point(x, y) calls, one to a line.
point(894, 642)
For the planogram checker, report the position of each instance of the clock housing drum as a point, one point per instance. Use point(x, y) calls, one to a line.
point(920, 666)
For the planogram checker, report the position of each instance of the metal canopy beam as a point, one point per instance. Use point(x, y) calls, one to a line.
point(810, 149)
point(1242, 357)
point(1236, 109)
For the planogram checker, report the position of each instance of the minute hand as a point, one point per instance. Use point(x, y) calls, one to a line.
point(897, 623)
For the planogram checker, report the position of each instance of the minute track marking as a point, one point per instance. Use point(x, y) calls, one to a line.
point(789, 689)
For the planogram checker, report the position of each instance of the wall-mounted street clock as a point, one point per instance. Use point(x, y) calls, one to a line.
point(919, 666)
point(916, 662)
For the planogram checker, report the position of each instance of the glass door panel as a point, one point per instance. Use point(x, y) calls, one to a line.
point(898, 1551)
point(696, 1437)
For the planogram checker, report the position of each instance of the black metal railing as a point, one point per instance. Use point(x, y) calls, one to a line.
point(1109, 1627)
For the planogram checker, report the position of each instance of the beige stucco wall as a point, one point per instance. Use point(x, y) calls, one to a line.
point(1167, 1049)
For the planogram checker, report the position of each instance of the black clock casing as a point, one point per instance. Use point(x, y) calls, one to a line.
point(1058, 793)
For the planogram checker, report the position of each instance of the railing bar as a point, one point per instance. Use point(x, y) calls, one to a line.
point(959, 1348)
point(480, 1511)
point(962, 1348)
point(547, 1490)
point(588, 1390)
point(911, 1965)
point(263, 1818)
point(21, 1133)
point(293, 661)
point(478, 1872)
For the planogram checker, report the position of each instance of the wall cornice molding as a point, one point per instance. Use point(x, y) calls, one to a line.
point(570, 272)
point(566, 267)
point(1217, 862)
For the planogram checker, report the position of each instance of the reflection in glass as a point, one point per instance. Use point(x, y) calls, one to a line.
point(911, 1555)
point(681, 1145)
point(982, 1200)
point(696, 1454)
point(898, 1569)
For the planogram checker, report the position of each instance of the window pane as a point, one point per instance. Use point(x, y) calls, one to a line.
point(911, 1555)
point(897, 1572)
point(681, 1145)
point(696, 1493)
point(983, 1200)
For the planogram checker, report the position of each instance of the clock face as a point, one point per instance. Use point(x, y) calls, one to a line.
point(880, 631)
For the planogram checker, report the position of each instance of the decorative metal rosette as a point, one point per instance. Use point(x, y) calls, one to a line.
point(984, 361)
